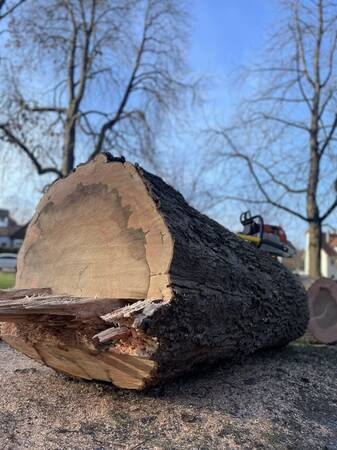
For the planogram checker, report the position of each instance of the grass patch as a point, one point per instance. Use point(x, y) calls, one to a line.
point(7, 280)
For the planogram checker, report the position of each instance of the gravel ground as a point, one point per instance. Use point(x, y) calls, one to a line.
point(275, 400)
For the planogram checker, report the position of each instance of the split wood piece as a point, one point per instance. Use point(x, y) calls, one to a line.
point(81, 361)
point(111, 334)
point(323, 310)
point(200, 293)
point(13, 294)
point(22, 309)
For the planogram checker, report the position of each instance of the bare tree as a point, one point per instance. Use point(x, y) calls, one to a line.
point(284, 141)
point(7, 7)
point(103, 75)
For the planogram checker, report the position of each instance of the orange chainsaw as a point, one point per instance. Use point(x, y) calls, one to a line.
point(270, 238)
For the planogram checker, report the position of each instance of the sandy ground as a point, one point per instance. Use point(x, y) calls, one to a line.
point(275, 400)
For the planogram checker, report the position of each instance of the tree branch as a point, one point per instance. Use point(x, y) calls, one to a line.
point(329, 136)
point(85, 60)
point(129, 87)
point(300, 42)
point(16, 141)
point(289, 123)
point(11, 9)
point(258, 182)
point(44, 109)
point(329, 210)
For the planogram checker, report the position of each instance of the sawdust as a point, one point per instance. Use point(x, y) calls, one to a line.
point(283, 399)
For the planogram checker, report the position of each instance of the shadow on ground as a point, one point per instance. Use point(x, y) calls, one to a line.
point(274, 400)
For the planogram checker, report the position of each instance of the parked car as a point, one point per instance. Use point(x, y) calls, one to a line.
point(8, 261)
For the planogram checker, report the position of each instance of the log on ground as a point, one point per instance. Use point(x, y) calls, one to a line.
point(179, 288)
point(322, 297)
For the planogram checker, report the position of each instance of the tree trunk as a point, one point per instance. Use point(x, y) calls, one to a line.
point(68, 159)
point(192, 292)
point(315, 238)
point(312, 205)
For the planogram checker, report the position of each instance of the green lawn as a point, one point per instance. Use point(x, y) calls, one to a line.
point(7, 280)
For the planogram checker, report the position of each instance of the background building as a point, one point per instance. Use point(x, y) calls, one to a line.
point(328, 255)
point(11, 233)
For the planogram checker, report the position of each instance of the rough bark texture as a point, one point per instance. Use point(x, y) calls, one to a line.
point(205, 294)
point(315, 244)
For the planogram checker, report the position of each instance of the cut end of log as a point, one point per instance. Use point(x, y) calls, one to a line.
point(97, 233)
point(323, 310)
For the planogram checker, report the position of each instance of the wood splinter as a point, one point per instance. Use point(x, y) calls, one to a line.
point(111, 334)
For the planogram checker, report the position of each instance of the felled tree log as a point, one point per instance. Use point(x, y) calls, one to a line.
point(323, 310)
point(167, 288)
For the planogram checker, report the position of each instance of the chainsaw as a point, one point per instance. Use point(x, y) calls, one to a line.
point(269, 238)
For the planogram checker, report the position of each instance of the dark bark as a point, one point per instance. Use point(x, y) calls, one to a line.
point(231, 299)
point(314, 249)
point(313, 213)
point(68, 159)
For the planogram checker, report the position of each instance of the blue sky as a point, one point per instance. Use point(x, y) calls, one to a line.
point(225, 35)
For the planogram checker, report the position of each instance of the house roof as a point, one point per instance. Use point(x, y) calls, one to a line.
point(4, 213)
point(329, 244)
point(333, 239)
point(329, 250)
point(20, 232)
point(8, 231)
point(11, 227)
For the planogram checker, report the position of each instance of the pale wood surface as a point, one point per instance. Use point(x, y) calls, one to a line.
point(12, 294)
point(97, 233)
point(323, 310)
point(124, 371)
point(80, 308)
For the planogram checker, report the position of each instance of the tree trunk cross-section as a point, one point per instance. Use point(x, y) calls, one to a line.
point(322, 297)
point(141, 286)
